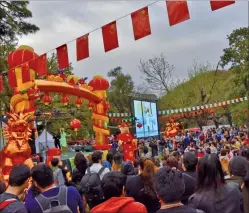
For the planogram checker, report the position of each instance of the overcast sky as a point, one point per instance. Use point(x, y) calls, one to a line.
point(202, 38)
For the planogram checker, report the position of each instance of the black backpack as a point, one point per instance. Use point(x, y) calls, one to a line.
point(56, 204)
point(91, 188)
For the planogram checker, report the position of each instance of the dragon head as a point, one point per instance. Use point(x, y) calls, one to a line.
point(18, 128)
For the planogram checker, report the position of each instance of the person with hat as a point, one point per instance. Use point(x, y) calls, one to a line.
point(239, 171)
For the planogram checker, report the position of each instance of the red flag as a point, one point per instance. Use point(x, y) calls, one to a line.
point(82, 47)
point(1, 83)
point(25, 73)
point(141, 23)
point(215, 5)
point(62, 55)
point(177, 12)
point(41, 65)
point(12, 78)
point(110, 36)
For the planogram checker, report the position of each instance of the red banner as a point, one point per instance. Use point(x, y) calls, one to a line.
point(177, 12)
point(62, 55)
point(215, 5)
point(82, 47)
point(41, 65)
point(141, 23)
point(25, 73)
point(12, 78)
point(110, 36)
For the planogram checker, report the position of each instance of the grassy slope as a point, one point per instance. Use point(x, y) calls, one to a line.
point(188, 93)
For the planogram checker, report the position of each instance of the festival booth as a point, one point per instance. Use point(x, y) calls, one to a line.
point(43, 141)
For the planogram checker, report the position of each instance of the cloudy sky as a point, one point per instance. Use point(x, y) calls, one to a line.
point(202, 38)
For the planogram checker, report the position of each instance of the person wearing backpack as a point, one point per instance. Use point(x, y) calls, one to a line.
point(11, 199)
point(91, 181)
point(50, 198)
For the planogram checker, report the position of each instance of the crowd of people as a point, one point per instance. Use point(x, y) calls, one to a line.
point(194, 172)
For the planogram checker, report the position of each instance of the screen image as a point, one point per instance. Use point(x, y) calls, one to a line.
point(146, 113)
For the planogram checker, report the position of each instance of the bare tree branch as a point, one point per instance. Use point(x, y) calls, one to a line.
point(157, 72)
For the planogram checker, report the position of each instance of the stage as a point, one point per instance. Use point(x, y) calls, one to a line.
point(71, 154)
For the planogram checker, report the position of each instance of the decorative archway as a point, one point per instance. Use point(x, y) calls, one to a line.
point(22, 104)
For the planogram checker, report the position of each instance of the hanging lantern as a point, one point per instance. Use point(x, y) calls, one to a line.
point(75, 124)
point(211, 112)
point(139, 125)
point(65, 99)
point(245, 110)
point(78, 102)
point(47, 99)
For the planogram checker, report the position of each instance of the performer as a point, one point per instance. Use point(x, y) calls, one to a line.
point(125, 139)
point(63, 140)
point(57, 140)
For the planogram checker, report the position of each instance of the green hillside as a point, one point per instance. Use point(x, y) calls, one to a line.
point(206, 88)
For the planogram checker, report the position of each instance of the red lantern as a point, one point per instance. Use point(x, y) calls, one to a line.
point(245, 110)
point(64, 99)
point(75, 124)
point(78, 102)
point(47, 99)
point(99, 83)
point(139, 125)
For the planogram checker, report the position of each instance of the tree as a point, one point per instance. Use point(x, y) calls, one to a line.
point(121, 87)
point(157, 72)
point(238, 56)
point(13, 16)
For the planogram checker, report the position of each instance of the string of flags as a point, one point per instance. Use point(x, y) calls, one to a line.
point(178, 12)
point(186, 109)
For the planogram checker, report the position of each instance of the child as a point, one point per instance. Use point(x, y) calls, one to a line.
point(58, 175)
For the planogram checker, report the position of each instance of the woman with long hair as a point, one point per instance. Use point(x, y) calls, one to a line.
point(141, 187)
point(213, 195)
point(80, 163)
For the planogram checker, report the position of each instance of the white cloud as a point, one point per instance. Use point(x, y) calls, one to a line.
point(202, 38)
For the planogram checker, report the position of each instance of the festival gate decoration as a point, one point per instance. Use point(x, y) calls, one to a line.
point(24, 63)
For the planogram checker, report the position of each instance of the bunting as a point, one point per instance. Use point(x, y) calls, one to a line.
point(193, 109)
point(177, 12)
point(62, 55)
point(41, 65)
point(141, 23)
point(216, 5)
point(82, 47)
point(25, 73)
point(110, 36)
point(12, 78)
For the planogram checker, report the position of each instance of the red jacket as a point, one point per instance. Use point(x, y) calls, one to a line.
point(119, 205)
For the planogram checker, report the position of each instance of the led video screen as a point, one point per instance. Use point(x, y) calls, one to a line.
point(146, 113)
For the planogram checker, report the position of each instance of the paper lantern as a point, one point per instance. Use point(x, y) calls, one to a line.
point(139, 125)
point(99, 83)
point(78, 102)
point(47, 99)
point(75, 124)
point(65, 99)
